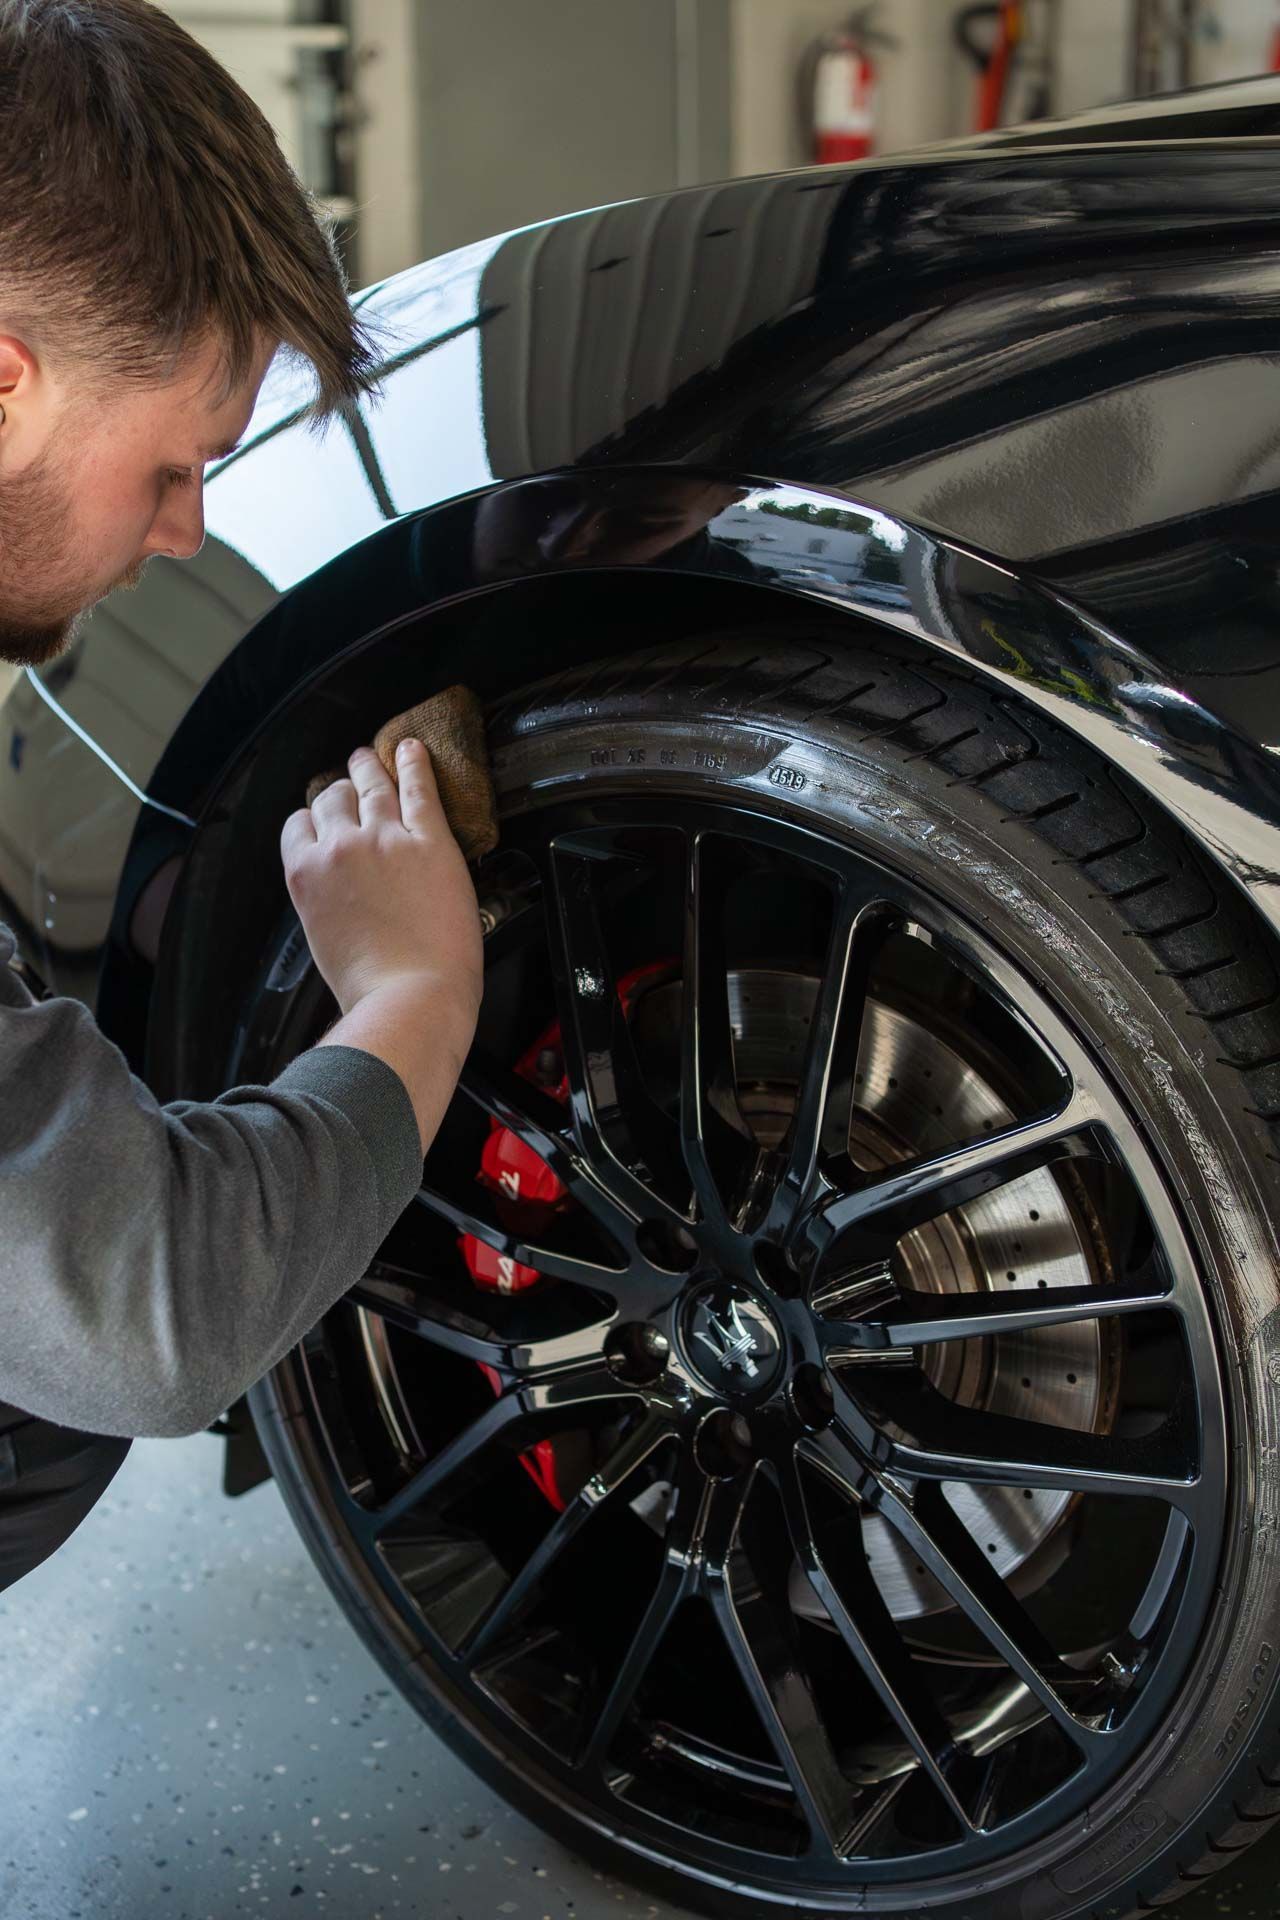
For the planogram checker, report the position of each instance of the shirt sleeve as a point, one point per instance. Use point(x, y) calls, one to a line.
point(156, 1260)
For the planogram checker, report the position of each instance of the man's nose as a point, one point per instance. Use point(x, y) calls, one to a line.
point(178, 528)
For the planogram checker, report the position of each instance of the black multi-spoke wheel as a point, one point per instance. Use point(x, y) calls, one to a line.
point(789, 1441)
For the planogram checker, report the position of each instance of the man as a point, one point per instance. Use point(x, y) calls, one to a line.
point(155, 253)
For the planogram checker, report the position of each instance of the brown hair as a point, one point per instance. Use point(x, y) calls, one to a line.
point(145, 203)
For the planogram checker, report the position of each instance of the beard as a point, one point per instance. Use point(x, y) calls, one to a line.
point(37, 544)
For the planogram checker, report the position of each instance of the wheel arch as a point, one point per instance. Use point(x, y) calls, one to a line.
point(229, 899)
point(332, 660)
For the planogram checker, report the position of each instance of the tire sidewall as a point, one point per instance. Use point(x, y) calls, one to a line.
point(996, 872)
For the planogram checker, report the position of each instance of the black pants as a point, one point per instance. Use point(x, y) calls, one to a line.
point(49, 1479)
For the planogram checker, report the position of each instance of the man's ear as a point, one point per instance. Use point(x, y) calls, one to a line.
point(27, 402)
point(19, 369)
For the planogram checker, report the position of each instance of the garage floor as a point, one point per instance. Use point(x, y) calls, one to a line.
point(191, 1729)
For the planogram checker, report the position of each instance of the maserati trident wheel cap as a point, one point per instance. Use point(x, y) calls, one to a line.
point(731, 1340)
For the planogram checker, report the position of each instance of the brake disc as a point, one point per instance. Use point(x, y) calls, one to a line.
point(918, 1092)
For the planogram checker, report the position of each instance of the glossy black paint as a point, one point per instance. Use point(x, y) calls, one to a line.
point(1224, 787)
point(1235, 109)
point(835, 385)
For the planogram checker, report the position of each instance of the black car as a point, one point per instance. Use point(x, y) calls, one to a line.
point(815, 1446)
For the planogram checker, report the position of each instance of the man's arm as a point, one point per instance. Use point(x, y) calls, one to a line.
point(156, 1260)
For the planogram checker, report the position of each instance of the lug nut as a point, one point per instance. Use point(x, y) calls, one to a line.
point(812, 1398)
point(724, 1444)
point(637, 1352)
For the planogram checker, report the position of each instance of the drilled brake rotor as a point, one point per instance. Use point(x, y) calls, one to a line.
point(917, 1094)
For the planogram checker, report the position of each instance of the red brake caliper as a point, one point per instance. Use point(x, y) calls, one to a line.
point(524, 1180)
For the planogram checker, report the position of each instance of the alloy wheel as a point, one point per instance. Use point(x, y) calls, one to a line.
point(890, 1430)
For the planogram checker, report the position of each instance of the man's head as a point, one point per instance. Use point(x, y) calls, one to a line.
point(155, 251)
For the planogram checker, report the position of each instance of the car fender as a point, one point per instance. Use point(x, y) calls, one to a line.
point(1052, 362)
point(779, 545)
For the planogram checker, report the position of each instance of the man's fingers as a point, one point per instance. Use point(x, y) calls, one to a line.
point(335, 806)
point(374, 787)
point(419, 796)
point(298, 831)
point(370, 794)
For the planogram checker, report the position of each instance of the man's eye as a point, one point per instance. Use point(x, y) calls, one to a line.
point(180, 476)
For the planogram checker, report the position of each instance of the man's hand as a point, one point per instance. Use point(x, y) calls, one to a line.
point(391, 918)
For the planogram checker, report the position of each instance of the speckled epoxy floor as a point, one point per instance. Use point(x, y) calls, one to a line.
point(190, 1729)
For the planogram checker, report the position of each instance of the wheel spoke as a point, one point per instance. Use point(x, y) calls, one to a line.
point(955, 1442)
point(942, 1543)
point(857, 1225)
point(629, 1454)
point(510, 1423)
point(755, 1617)
point(704, 1519)
point(692, 1515)
point(399, 1297)
point(719, 1146)
point(819, 1132)
point(623, 1133)
point(483, 1224)
point(578, 1383)
point(519, 1105)
point(657, 1617)
point(539, 1123)
point(920, 1319)
point(457, 1465)
point(840, 1575)
point(503, 1340)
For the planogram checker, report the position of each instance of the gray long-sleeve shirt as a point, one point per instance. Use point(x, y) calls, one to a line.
point(156, 1260)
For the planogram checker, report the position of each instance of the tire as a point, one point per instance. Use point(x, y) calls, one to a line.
point(1167, 980)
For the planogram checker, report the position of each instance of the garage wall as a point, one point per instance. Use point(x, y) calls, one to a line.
point(385, 135)
point(1093, 54)
point(924, 85)
point(532, 110)
point(1242, 43)
point(1095, 38)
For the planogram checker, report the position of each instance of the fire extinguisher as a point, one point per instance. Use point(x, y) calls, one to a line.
point(1015, 42)
point(995, 60)
point(838, 88)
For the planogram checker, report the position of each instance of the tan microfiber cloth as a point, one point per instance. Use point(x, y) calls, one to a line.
point(450, 726)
